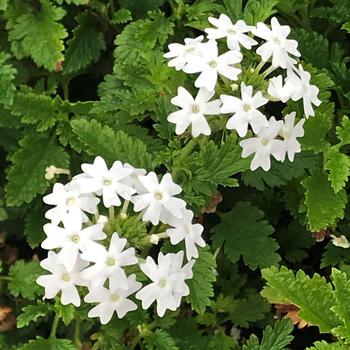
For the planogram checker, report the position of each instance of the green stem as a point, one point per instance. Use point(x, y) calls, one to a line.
point(77, 341)
point(111, 215)
point(54, 325)
point(124, 211)
point(135, 342)
point(5, 278)
point(186, 151)
point(65, 87)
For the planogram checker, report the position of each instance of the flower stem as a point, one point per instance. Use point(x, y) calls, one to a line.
point(54, 325)
point(77, 341)
point(124, 210)
point(5, 278)
point(259, 66)
point(111, 215)
point(269, 71)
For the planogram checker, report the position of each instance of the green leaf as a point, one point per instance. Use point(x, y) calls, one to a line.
point(103, 141)
point(66, 312)
point(324, 207)
point(342, 296)
point(31, 313)
point(85, 46)
point(283, 287)
point(346, 26)
point(34, 222)
point(322, 345)
point(40, 35)
point(244, 233)
point(201, 284)
point(121, 16)
point(22, 279)
point(221, 341)
point(7, 75)
point(259, 10)
point(343, 131)
point(160, 340)
point(3, 5)
point(234, 8)
point(48, 344)
point(338, 165)
point(276, 338)
point(26, 177)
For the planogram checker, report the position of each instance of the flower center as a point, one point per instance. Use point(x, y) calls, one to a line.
point(111, 261)
point(264, 142)
point(71, 201)
point(190, 49)
point(66, 277)
point(75, 238)
point(195, 109)
point(188, 229)
point(159, 195)
point(162, 283)
point(247, 108)
point(115, 297)
point(232, 32)
point(107, 182)
point(213, 64)
point(277, 41)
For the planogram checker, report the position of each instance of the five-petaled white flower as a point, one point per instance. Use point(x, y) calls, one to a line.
point(69, 201)
point(184, 230)
point(193, 111)
point(112, 300)
point(168, 282)
point(290, 132)
point(245, 110)
point(133, 179)
point(264, 145)
point(181, 54)
point(159, 202)
point(108, 182)
point(298, 81)
point(235, 33)
point(62, 280)
point(277, 90)
point(108, 263)
point(210, 64)
point(277, 45)
point(71, 238)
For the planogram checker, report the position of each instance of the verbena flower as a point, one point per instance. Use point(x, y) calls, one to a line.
point(193, 111)
point(279, 90)
point(245, 110)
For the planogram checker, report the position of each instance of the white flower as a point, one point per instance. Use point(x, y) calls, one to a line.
point(112, 300)
point(184, 230)
point(132, 180)
point(210, 64)
point(301, 88)
point(71, 238)
point(264, 145)
point(340, 241)
point(277, 45)
point(235, 33)
point(279, 91)
point(193, 111)
point(245, 110)
point(289, 132)
point(69, 201)
point(168, 282)
point(158, 203)
point(61, 279)
point(181, 54)
point(109, 263)
point(108, 182)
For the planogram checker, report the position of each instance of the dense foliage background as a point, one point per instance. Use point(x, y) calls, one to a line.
point(80, 78)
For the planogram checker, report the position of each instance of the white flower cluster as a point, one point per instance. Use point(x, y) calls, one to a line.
point(277, 53)
point(83, 253)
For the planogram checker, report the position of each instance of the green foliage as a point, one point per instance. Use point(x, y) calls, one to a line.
point(259, 10)
point(31, 313)
point(49, 344)
point(161, 340)
point(7, 75)
point(244, 233)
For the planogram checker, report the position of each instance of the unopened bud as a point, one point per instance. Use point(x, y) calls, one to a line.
point(340, 241)
point(51, 171)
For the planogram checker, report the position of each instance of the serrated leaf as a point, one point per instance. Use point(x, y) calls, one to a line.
point(85, 46)
point(343, 131)
point(201, 284)
point(34, 222)
point(324, 207)
point(283, 287)
point(26, 177)
point(234, 8)
point(244, 233)
point(338, 165)
point(66, 312)
point(259, 10)
point(48, 344)
point(31, 313)
point(221, 341)
point(322, 345)
point(121, 16)
point(160, 340)
point(7, 75)
point(22, 279)
point(103, 141)
point(40, 35)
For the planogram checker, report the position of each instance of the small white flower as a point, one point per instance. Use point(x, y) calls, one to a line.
point(181, 54)
point(277, 45)
point(62, 280)
point(193, 111)
point(108, 182)
point(109, 263)
point(132, 180)
point(210, 64)
point(340, 241)
point(71, 238)
point(245, 110)
point(264, 145)
point(184, 230)
point(299, 84)
point(235, 33)
point(289, 132)
point(277, 90)
point(168, 282)
point(69, 201)
point(112, 300)
point(159, 202)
